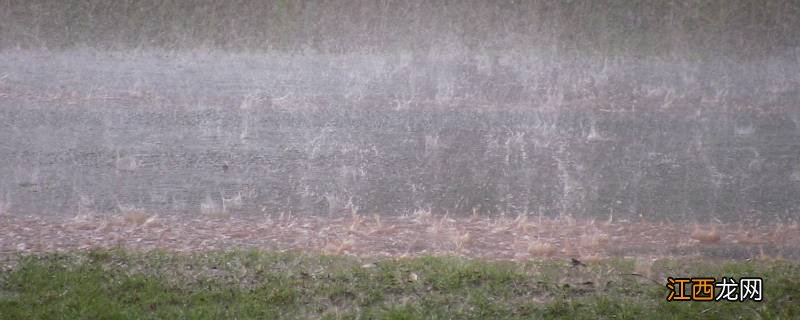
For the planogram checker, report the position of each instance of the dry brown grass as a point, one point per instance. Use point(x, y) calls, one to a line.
point(411, 235)
point(135, 217)
point(706, 235)
point(542, 249)
point(748, 237)
point(383, 230)
point(460, 240)
point(339, 247)
point(355, 225)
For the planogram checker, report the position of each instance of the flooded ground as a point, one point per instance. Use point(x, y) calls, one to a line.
point(316, 134)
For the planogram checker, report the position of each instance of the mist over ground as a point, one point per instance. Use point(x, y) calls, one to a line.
point(682, 110)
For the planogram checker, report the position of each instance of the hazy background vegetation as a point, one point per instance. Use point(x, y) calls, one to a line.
point(680, 30)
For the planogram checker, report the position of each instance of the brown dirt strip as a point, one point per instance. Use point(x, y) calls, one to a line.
point(495, 238)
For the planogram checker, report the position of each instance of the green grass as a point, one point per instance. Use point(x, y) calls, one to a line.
point(263, 285)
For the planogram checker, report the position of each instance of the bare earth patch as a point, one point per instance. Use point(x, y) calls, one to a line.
point(496, 238)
